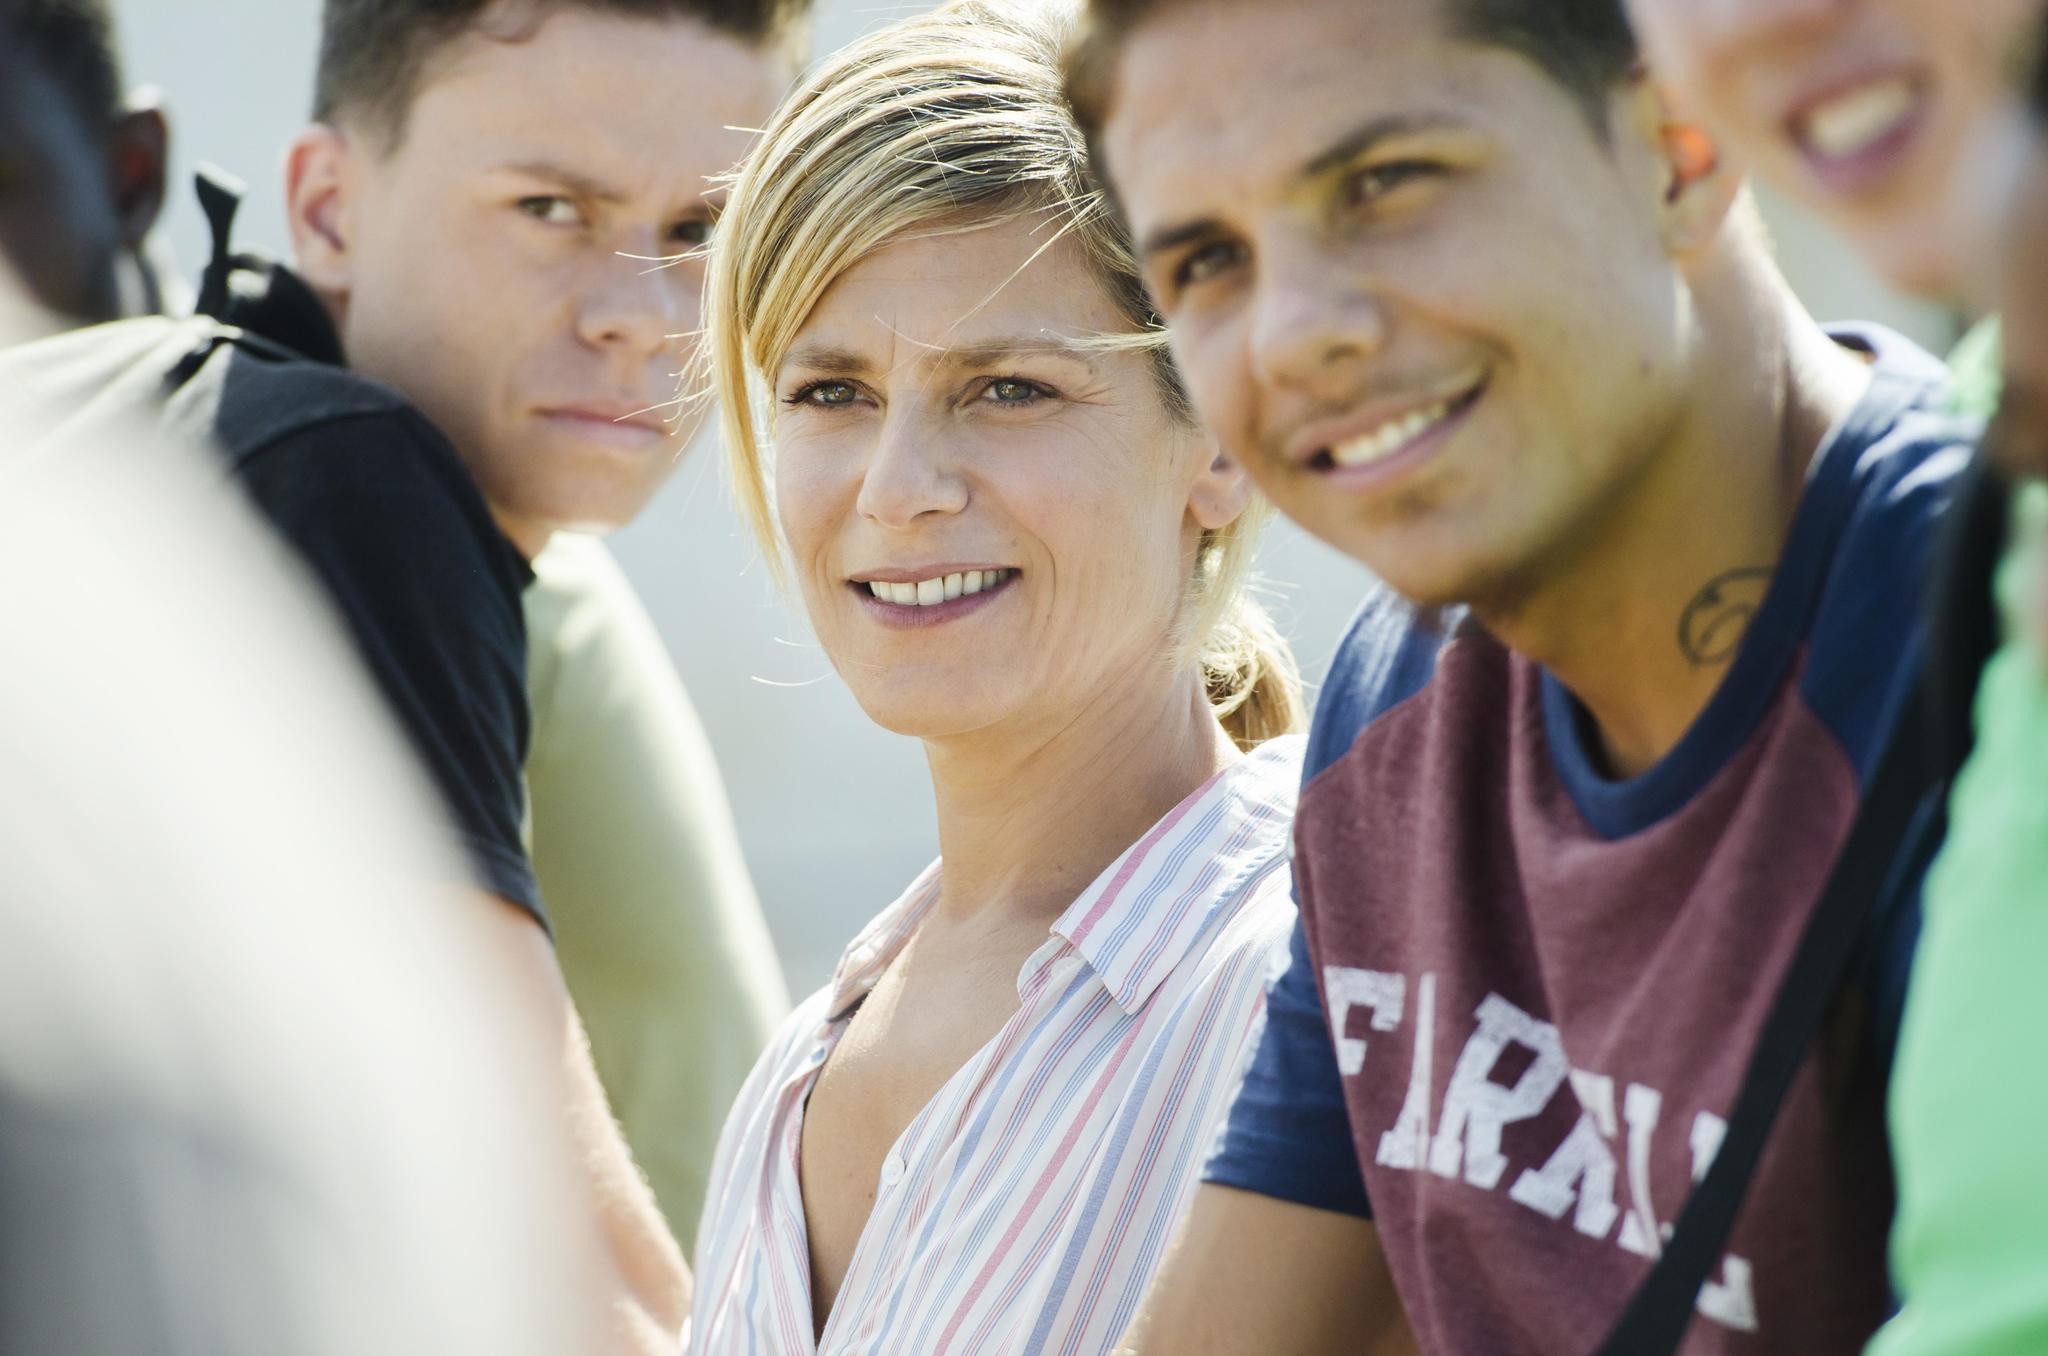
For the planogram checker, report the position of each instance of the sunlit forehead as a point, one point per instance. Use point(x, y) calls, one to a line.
point(1194, 136)
point(929, 305)
point(595, 100)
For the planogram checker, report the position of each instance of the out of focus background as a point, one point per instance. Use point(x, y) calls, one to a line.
point(835, 815)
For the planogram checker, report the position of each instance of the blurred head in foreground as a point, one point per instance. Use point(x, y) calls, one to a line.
point(255, 1093)
point(950, 412)
point(1451, 288)
point(81, 164)
point(503, 203)
point(1870, 111)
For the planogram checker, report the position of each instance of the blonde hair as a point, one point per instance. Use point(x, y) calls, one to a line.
point(954, 120)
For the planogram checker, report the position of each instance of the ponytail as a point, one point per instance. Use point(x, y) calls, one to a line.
point(1253, 683)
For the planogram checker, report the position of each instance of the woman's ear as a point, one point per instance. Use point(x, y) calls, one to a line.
point(1222, 491)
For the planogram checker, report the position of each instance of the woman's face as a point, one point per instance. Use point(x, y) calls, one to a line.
point(1867, 110)
point(992, 524)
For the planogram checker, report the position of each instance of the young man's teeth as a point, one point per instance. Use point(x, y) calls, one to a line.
point(943, 589)
point(1389, 438)
point(1856, 121)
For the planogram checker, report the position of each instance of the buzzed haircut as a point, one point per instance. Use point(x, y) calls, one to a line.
point(72, 43)
point(374, 52)
point(1586, 46)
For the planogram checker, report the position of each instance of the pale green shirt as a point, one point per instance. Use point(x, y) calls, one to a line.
point(1968, 1098)
point(656, 923)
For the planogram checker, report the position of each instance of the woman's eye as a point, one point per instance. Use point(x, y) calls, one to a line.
point(1011, 391)
point(824, 393)
point(1368, 186)
point(1206, 262)
point(553, 209)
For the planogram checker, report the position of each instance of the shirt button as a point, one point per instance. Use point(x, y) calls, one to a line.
point(892, 1170)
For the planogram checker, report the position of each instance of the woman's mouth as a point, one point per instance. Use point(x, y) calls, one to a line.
point(910, 599)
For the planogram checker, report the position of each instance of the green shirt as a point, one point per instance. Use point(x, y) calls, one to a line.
point(657, 928)
point(1968, 1094)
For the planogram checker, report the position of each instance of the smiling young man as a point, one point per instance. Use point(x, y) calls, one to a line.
point(1472, 306)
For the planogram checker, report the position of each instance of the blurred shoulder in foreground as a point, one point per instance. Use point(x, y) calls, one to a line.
point(254, 1092)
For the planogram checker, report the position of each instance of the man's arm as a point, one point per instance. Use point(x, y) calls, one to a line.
point(648, 1280)
point(1251, 1275)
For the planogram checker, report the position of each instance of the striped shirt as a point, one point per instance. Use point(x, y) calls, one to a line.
point(1025, 1207)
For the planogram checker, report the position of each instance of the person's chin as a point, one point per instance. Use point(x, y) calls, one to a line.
point(591, 488)
point(1917, 257)
point(920, 712)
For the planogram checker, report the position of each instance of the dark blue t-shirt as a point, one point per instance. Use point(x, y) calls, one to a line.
point(1522, 994)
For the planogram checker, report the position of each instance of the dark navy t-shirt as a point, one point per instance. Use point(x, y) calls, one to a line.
point(1522, 995)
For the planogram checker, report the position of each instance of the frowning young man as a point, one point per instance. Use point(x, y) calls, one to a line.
point(1471, 305)
point(502, 205)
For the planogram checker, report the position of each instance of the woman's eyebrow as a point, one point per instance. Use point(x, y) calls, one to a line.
point(828, 359)
point(987, 352)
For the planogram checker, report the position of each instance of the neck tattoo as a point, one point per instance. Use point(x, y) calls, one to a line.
point(1711, 628)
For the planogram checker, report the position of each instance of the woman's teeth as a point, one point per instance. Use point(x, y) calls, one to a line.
point(1390, 437)
point(942, 589)
point(1852, 123)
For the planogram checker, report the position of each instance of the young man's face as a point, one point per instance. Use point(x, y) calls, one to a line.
point(1865, 109)
point(1410, 287)
point(502, 261)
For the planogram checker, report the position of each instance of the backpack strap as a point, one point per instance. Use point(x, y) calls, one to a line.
point(220, 196)
point(1896, 810)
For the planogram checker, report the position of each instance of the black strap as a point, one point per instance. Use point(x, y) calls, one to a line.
point(1870, 861)
point(220, 193)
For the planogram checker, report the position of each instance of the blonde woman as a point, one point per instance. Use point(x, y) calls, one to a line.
point(1015, 545)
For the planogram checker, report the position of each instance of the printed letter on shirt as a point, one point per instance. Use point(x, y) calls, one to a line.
point(1406, 1145)
point(1583, 1168)
point(1730, 1301)
point(1476, 1107)
point(1344, 989)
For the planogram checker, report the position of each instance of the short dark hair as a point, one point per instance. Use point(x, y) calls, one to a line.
point(1586, 46)
point(72, 43)
point(372, 52)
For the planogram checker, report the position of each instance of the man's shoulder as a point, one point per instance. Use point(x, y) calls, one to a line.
point(312, 441)
point(1388, 656)
point(211, 382)
point(265, 393)
point(1885, 487)
point(260, 399)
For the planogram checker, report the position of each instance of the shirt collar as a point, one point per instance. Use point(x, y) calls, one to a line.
point(875, 945)
point(1140, 917)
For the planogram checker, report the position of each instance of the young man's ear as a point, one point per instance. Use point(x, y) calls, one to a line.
point(139, 160)
point(1696, 184)
point(319, 178)
point(1222, 491)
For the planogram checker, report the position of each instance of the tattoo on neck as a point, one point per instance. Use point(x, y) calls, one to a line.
point(1710, 630)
